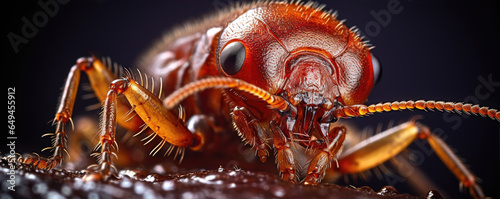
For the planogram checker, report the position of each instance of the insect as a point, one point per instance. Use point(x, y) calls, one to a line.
point(312, 133)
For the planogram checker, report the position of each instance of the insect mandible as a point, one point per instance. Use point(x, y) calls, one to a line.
point(312, 100)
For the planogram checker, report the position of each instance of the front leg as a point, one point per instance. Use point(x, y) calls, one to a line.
point(100, 76)
point(285, 158)
point(326, 156)
point(251, 131)
point(107, 131)
point(62, 117)
point(164, 124)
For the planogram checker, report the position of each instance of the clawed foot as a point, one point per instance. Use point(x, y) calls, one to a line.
point(312, 180)
point(104, 172)
point(37, 161)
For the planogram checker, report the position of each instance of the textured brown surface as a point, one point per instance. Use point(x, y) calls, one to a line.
point(218, 183)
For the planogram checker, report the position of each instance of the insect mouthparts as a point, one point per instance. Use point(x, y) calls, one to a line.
point(311, 99)
point(309, 115)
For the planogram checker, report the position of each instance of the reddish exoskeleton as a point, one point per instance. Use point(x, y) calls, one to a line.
point(285, 73)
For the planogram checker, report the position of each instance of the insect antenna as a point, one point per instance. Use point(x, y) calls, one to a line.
point(274, 101)
point(455, 107)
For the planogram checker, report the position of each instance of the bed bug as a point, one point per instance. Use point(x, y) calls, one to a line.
point(311, 105)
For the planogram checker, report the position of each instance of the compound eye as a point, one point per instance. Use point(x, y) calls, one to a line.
point(377, 69)
point(232, 57)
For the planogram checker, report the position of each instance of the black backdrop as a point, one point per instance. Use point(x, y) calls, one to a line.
point(428, 50)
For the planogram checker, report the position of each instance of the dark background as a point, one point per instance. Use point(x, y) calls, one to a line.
point(430, 50)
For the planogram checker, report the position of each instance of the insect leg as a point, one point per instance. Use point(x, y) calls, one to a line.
point(378, 148)
point(150, 109)
point(250, 131)
point(326, 157)
point(62, 117)
point(384, 146)
point(100, 77)
point(107, 131)
point(159, 119)
point(203, 127)
point(285, 158)
point(454, 164)
point(415, 177)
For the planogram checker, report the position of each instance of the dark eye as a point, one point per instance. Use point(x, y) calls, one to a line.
point(232, 58)
point(377, 69)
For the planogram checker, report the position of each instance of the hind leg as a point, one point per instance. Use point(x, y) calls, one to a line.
point(384, 146)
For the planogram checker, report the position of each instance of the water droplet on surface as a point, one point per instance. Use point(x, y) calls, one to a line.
point(30, 176)
point(210, 177)
point(149, 194)
point(150, 178)
point(78, 183)
point(54, 195)
point(66, 190)
point(40, 188)
point(87, 186)
point(168, 185)
point(93, 195)
point(387, 190)
point(218, 182)
point(279, 192)
point(366, 188)
point(159, 169)
point(139, 188)
point(126, 183)
point(187, 195)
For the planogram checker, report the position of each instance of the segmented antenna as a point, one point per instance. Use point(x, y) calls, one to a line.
point(458, 107)
point(224, 82)
point(279, 103)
